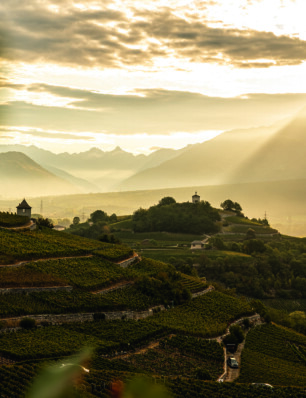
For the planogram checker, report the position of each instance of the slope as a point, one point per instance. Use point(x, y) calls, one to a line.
point(281, 157)
point(208, 163)
point(21, 176)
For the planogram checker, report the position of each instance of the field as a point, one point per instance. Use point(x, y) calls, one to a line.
point(274, 355)
point(31, 245)
point(52, 341)
point(180, 355)
point(86, 273)
point(286, 305)
point(129, 333)
point(205, 316)
point(161, 238)
point(63, 302)
point(28, 276)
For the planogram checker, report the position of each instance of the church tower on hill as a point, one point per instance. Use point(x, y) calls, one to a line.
point(195, 198)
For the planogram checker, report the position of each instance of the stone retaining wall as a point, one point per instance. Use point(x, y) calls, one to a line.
point(209, 289)
point(126, 263)
point(85, 317)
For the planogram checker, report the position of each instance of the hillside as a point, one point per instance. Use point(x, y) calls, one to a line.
point(209, 163)
point(93, 170)
point(21, 176)
point(281, 157)
point(148, 318)
point(280, 199)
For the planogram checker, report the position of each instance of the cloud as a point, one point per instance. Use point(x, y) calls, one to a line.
point(154, 111)
point(112, 38)
point(44, 134)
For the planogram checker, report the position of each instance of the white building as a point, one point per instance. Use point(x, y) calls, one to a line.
point(195, 198)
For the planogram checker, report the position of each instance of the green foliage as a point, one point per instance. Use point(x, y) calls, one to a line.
point(229, 205)
point(167, 200)
point(235, 336)
point(49, 243)
point(164, 287)
point(186, 217)
point(44, 222)
point(207, 315)
point(52, 341)
point(89, 273)
point(76, 220)
point(9, 220)
point(98, 216)
point(27, 323)
point(271, 356)
point(28, 276)
point(250, 234)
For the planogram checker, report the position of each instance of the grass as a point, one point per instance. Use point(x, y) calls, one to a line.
point(241, 220)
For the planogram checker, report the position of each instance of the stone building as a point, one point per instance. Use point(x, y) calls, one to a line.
point(195, 198)
point(23, 209)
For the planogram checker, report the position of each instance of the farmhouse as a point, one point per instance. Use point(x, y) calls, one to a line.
point(197, 244)
point(23, 209)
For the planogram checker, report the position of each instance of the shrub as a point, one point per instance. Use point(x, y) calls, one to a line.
point(27, 323)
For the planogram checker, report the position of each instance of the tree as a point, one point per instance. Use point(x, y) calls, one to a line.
point(113, 218)
point(76, 220)
point(229, 205)
point(167, 200)
point(98, 215)
point(250, 234)
point(44, 222)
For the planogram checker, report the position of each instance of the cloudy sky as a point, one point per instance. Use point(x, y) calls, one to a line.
point(147, 74)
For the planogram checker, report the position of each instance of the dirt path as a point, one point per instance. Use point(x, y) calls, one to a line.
point(142, 350)
point(119, 285)
point(29, 225)
point(233, 374)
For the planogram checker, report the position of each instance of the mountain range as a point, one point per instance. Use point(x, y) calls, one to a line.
point(270, 153)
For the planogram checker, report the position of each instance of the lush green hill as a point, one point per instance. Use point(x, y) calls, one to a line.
point(31, 245)
point(274, 355)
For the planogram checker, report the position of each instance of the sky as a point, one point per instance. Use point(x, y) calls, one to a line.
point(147, 74)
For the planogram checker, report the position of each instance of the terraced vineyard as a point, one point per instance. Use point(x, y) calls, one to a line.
point(180, 388)
point(85, 273)
point(180, 355)
point(16, 379)
point(286, 305)
point(63, 302)
point(48, 243)
point(274, 355)
point(128, 333)
point(206, 316)
point(194, 284)
point(28, 276)
point(9, 220)
point(52, 341)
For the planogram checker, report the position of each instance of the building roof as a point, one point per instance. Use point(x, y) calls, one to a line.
point(196, 195)
point(23, 205)
point(197, 242)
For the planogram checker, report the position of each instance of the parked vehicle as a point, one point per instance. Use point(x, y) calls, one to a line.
point(232, 363)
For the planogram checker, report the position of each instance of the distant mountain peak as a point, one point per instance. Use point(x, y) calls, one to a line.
point(117, 150)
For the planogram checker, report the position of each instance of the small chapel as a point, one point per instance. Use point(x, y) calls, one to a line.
point(24, 209)
point(196, 198)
